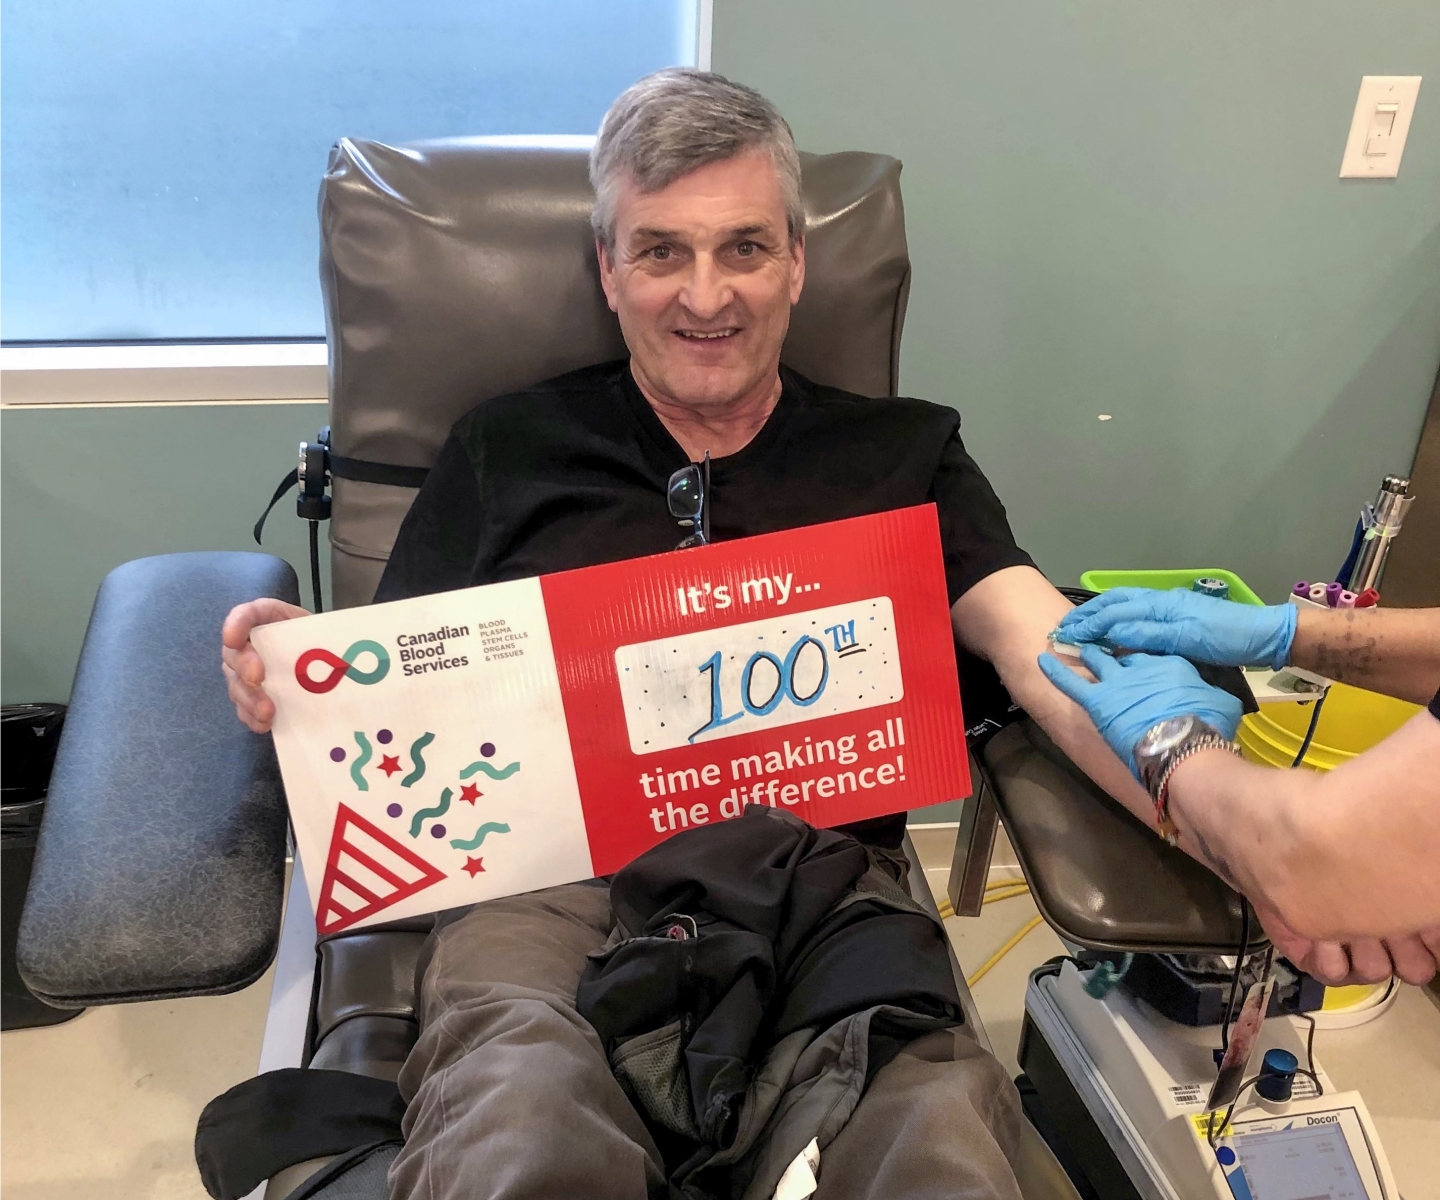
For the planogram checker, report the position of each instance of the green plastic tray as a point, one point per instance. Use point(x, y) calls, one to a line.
point(1103, 581)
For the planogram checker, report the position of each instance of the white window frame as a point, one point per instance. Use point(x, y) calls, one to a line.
point(156, 373)
point(146, 374)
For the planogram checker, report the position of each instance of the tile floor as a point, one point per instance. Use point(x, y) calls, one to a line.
point(105, 1106)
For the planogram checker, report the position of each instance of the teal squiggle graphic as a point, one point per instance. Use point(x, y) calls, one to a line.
point(438, 811)
point(504, 773)
point(415, 747)
point(474, 843)
point(365, 752)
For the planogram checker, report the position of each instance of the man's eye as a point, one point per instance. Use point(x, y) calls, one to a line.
point(660, 252)
point(745, 249)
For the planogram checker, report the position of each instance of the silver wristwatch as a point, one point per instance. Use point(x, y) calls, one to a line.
point(1163, 748)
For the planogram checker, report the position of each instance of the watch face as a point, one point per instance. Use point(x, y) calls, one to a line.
point(1166, 735)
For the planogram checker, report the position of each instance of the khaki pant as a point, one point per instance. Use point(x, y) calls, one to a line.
point(510, 1094)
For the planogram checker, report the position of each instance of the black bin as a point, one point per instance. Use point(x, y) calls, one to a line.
point(29, 735)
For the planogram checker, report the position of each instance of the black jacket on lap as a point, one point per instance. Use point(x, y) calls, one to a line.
point(740, 939)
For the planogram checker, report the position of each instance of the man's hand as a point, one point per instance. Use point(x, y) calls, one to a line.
point(1134, 693)
point(244, 671)
point(1188, 624)
point(1414, 958)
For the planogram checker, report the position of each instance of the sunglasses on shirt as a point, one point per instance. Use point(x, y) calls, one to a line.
point(688, 494)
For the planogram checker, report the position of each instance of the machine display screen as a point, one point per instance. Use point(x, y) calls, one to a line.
point(1311, 1162)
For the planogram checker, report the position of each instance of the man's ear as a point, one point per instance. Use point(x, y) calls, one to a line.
point(607, 273)
point(797, 269)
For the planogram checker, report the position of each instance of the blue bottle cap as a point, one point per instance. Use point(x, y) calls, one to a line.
point(1277, 1074)
point(1279, 1061)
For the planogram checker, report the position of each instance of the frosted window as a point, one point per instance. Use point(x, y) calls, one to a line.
point(162, 157)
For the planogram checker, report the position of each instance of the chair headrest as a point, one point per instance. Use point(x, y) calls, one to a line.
point(464, 268)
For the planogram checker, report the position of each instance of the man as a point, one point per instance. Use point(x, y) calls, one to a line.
point(1354, 853)
point(700, 235)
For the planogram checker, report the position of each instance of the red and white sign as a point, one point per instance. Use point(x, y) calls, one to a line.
point(479, 743)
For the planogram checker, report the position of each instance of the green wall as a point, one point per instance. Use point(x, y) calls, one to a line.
point(1133, 208)
point(85, 489)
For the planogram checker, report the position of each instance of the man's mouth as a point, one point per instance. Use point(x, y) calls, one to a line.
point(707, 335)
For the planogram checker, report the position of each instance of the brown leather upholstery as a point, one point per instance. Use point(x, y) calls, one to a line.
point(456, 270)
point(369, 973)
point(1100, 877)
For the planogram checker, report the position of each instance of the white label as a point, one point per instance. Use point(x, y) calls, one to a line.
point(702, 687)
point(1188, 1095)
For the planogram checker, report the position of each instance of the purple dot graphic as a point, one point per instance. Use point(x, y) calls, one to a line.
point(394, 810)
point(384, 736)
point(437, 831)
point(487, 749)
point(338, 754)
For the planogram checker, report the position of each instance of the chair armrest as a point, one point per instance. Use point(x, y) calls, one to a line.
point(161, 859)
point(1100, 877)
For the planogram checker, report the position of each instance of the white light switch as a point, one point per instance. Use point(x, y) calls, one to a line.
point(1378, 128)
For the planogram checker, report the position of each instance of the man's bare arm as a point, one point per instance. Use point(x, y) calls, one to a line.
point(1390, 650)
point(1005, 618)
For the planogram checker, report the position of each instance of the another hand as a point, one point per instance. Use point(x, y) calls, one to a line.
point(244, 671)
point(1415, 958)
point(1188, 624)
point(1136, 692)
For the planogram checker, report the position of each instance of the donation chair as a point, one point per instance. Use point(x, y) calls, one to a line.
point(452, 270)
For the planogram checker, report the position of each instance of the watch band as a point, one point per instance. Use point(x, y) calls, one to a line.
point(1164, 746)
point(1209, 739)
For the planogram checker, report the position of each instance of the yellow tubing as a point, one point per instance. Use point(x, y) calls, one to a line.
point(1010, 887)
point(972, 980)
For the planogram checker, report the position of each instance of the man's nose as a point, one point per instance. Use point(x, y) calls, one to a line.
point(707, 291)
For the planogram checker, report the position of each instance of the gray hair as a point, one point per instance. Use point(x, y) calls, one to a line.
point(678, 120)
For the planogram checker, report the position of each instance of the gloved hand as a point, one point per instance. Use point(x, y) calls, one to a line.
point(1186, 623)
point(1138, 691)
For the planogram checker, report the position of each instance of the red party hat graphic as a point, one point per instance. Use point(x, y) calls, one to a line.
point(367, 871)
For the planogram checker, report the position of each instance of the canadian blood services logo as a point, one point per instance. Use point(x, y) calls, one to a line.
point(342, 667)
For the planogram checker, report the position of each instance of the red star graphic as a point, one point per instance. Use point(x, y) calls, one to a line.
point(471, 793)
point(389, 763)
point(473, 866)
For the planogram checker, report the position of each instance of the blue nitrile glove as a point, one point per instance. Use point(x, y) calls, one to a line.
point(1136, 692)
point(1186, 623)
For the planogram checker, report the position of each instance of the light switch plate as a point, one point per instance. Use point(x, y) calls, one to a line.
point(1379, 126)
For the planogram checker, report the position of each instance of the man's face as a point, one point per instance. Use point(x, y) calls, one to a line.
point(703, 276)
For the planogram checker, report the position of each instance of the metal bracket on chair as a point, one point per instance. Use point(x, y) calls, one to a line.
point(312, 474)
point(970, 868)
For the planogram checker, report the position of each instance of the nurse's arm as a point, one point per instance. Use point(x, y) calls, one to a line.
point(1354, 852)
point(1390, 650)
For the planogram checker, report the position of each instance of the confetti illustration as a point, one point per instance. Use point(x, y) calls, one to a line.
point(355, 768)
point(480, 834)
point(486, 768)
point(425, 813)
point(416, 746)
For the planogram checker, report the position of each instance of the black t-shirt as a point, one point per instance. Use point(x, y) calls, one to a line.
point(572, 472)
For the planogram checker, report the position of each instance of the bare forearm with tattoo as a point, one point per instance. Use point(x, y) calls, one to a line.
point(1390, 650)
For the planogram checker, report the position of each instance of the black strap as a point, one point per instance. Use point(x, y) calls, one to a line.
point(283, 1117)
point(285, 485)
point(362, 471)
